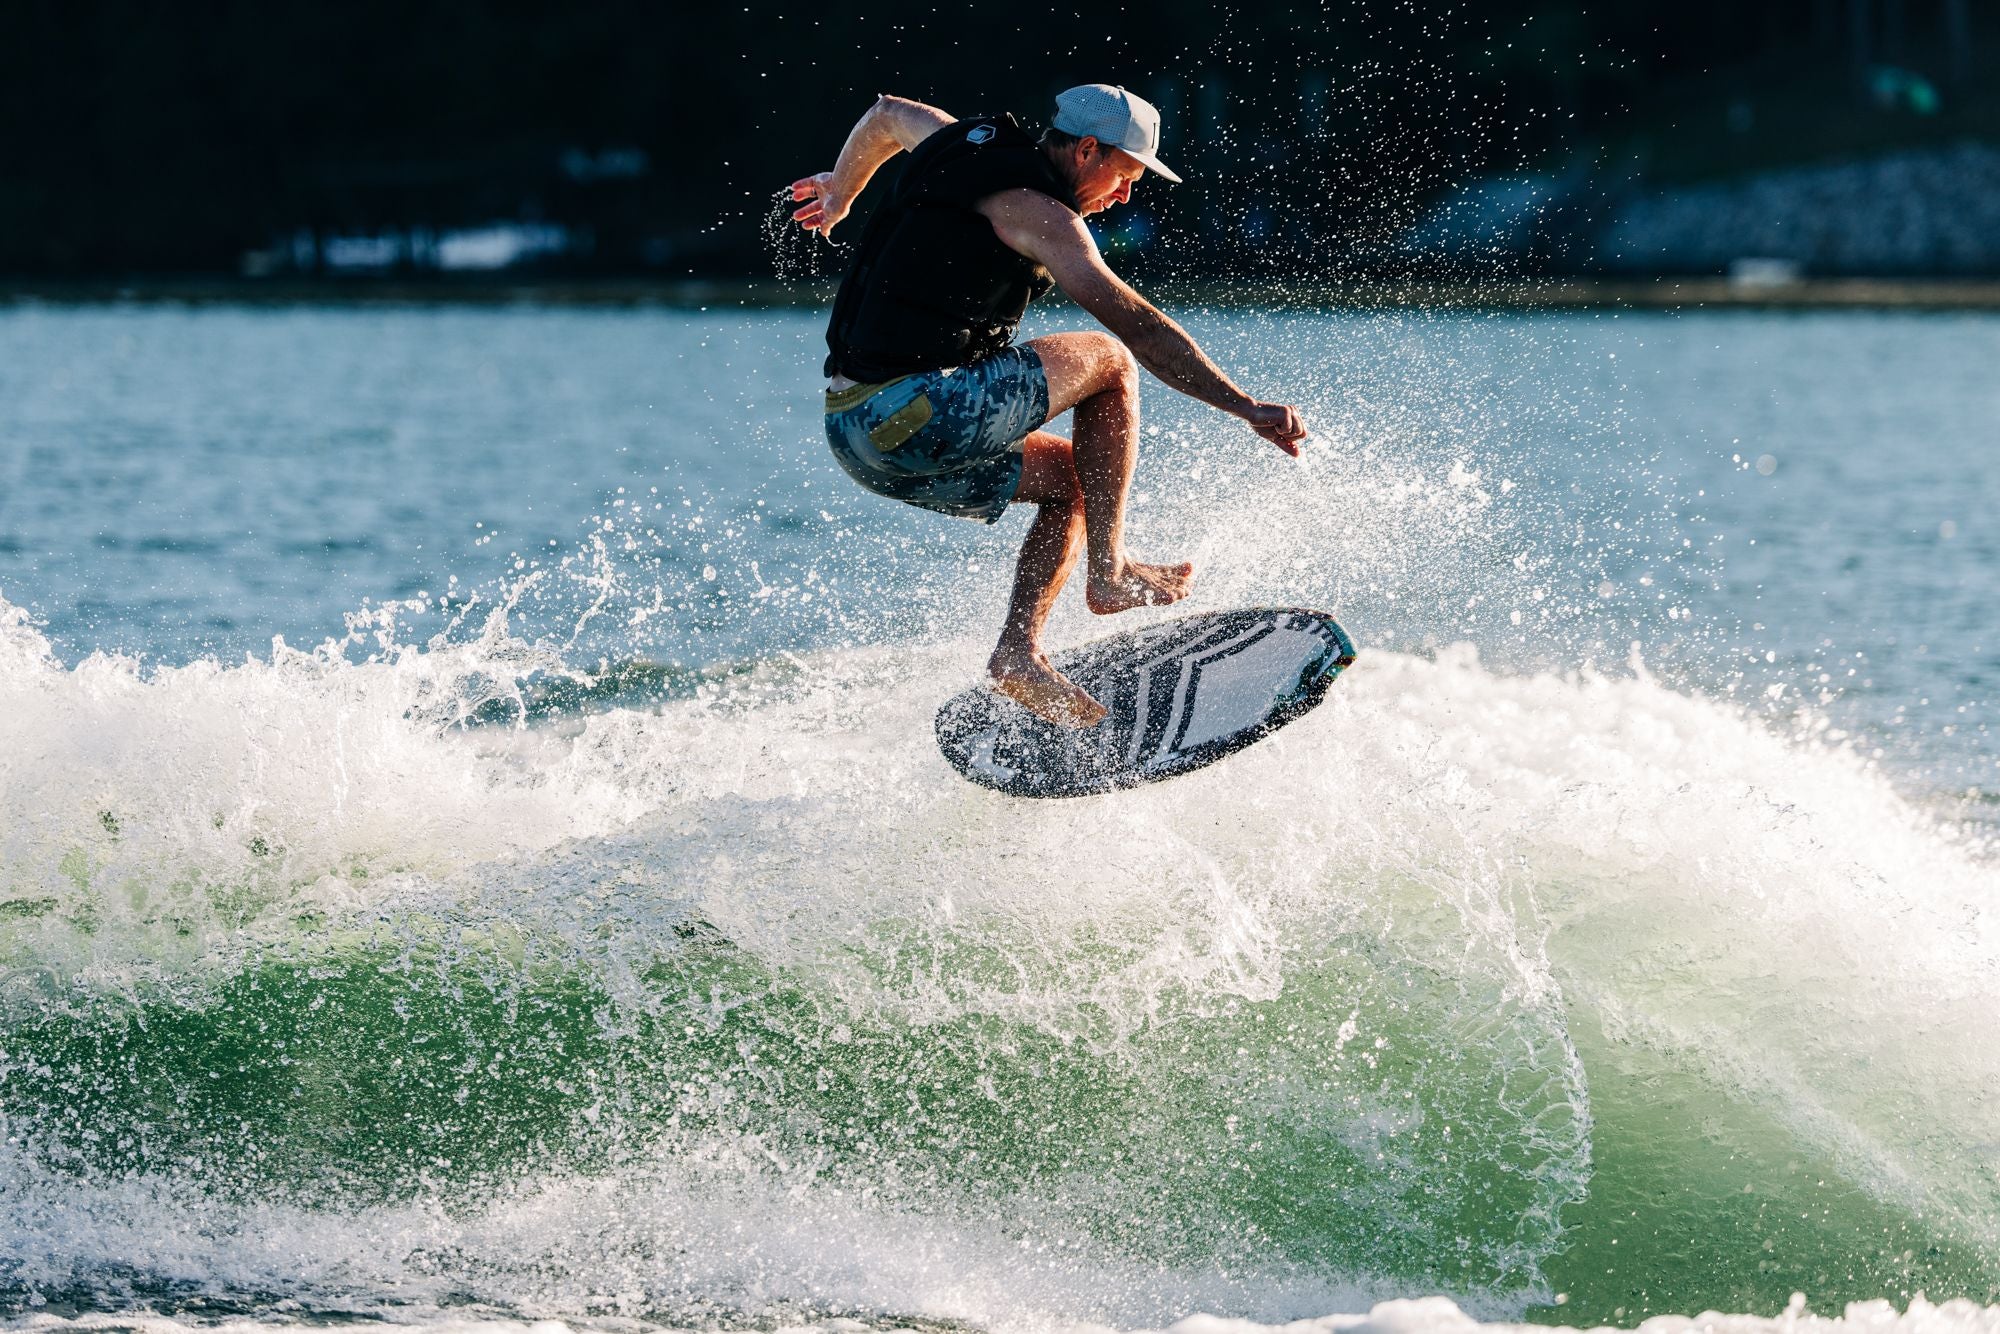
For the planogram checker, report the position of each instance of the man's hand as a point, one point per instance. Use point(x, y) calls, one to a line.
point(823, 205)
point(1279, 424)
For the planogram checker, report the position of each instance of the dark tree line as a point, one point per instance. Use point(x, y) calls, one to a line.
point(177, 138)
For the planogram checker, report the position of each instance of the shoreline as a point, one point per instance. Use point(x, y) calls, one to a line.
point(1663, 293)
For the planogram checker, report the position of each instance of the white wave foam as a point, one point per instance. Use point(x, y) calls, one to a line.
point(716, 1237)
point(1422, 1315)
point(1764, 911)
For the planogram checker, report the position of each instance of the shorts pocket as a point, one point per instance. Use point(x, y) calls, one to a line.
point(895, 429)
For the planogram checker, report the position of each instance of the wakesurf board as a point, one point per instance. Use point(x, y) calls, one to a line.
point(1181, 695)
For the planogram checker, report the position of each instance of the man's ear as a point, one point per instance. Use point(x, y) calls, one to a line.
point(1089, 145)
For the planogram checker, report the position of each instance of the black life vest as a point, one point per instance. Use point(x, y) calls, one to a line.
point(931, 284)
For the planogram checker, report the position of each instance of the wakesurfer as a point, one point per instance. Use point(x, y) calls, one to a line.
point(930, 401)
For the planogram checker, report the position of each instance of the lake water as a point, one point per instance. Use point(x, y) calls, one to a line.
point(472, 847)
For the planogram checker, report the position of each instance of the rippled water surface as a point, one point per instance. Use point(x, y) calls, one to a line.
point(471, 840)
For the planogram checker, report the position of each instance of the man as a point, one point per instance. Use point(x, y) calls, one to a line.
point(930, 401)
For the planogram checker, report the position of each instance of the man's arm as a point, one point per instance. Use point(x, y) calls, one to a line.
point(893, 125)
point(1037, 226)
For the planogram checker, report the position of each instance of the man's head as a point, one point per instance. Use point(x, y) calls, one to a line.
point(1104, 139)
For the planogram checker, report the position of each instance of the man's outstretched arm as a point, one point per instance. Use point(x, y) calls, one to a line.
point(893, 125)
point(1037, 226)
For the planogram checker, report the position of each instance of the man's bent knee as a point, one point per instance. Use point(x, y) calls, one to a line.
point(1084, 365)
point(1117, 369)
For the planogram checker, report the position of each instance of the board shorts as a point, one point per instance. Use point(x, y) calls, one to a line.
point(946, 440)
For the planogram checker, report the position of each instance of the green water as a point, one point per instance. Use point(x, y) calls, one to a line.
point(364, 1074)
point(1697, 1203)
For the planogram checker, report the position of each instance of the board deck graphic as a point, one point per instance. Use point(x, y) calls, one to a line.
point(1181, 695)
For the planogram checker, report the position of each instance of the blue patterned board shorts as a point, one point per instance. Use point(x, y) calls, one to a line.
point(947, 440)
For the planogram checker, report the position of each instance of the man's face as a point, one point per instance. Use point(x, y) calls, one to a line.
point(1104, 176)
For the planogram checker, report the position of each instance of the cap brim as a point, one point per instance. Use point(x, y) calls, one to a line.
point(1153, 164)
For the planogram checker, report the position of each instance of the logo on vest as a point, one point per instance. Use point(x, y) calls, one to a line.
point(980, 134)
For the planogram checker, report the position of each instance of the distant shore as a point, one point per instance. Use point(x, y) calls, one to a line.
point(1663, 293)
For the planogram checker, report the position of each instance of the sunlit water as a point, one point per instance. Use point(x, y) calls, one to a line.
point(472, 847)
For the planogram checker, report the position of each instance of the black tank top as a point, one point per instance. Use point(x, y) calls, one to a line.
point(932, 285)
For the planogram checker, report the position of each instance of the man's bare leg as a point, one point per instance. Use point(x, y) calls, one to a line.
point(1094, 374)
point(1018, 666)
point(1080, 489)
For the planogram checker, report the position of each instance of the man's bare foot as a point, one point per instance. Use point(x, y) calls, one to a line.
point(1028, 680)
point(1141, 585)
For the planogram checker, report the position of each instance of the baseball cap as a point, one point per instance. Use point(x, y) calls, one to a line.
point(1115, 117)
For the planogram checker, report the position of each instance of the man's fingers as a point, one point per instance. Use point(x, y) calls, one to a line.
point(1281, 425)
point(815, 215)
point(1275, 433)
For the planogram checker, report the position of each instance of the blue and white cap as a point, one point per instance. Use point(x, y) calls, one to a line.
point(1115, 117)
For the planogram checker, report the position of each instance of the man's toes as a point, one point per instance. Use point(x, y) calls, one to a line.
point(1054, 698)
point(1085, 711)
